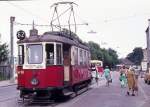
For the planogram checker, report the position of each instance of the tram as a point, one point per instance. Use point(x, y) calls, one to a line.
point(98, 64)
point(96, 68)
point(54, 63)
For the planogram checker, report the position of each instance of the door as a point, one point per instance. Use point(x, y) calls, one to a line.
point(67, 63)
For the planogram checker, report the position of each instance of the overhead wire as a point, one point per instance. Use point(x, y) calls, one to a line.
point(41, 25)
point(27, 11)
point(126, 17)
point(106, 20)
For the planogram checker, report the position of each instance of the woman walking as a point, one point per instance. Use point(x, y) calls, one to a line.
point(136, 82)
point(122, 78)
point(131, 81)
point(107, 75)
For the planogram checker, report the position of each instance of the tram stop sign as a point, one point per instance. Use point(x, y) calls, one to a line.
point(21, 34)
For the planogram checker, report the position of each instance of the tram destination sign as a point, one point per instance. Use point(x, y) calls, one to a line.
point(21, 34)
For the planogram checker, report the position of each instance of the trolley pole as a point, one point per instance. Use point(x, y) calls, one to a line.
point(12, 19)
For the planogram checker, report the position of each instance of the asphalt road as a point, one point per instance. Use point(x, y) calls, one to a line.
point(96, 96)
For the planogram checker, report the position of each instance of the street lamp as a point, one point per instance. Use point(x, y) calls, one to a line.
point(92, 32)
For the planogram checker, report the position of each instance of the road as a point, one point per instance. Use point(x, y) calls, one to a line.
point(96, 96)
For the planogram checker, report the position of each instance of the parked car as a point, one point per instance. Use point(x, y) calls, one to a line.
point(142, 74)
point(147, 77)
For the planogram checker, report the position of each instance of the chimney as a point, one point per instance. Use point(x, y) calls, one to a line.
point(33, 31)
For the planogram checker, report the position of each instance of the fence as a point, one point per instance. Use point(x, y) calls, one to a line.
point(5, 72)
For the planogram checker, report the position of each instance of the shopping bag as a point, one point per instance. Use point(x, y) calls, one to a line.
point(122, 83)
point(110, 79)
point(120, 78)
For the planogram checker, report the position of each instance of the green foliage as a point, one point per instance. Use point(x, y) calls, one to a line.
point(109, 57)
point(96, 53)
point(136, 56)
point(3, 52)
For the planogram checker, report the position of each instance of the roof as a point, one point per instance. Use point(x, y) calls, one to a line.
point(126, 62)
point(95, 61)
point(55, 36)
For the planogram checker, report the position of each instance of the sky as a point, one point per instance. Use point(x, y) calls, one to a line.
point(119, 24)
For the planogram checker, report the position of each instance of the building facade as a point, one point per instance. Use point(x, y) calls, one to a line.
point(148, 43)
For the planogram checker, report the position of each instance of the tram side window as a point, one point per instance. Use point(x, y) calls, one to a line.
point(88, 58)
point(85, 58)
point(76, 56)
point(21, 54)
point(81, 57)
point(50, 54)
point(58, 54)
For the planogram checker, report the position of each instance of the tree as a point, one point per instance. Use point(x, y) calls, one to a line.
point(3, 52)
point(109, 57)
point(95, 50)
point(136, 56)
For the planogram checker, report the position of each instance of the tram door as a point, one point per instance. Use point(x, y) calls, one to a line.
point(67, 62)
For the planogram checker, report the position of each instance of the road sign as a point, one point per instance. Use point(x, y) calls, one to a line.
point(144, 65)
point(21, 34)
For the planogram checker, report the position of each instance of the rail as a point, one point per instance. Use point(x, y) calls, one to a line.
point(5, 72)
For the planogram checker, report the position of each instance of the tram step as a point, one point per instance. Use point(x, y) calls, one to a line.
point(41, 101)
point(82, 90)
point(68, 93)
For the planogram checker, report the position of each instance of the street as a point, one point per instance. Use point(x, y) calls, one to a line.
point(96, 96)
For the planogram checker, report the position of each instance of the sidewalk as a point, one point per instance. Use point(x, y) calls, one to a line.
point(6, 83)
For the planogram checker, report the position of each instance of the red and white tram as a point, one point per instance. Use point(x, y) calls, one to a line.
point(52, 63)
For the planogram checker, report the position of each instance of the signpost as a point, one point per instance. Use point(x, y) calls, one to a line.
point(12, 19)
point(144, 65)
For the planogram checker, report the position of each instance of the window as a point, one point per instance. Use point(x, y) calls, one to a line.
point(76, 56)
point(85, 58)
point(21, 54)
point(88, 58)
point(58, 54)
point(81, 57)
point(50, 54)
point(35, 54)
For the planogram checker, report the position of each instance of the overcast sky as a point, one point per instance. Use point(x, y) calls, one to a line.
point(119, 24)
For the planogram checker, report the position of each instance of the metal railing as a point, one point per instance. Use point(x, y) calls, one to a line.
point(5, 72)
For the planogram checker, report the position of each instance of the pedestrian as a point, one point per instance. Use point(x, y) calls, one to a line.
point(136, 82)
point(131, 81)
point(93, 71)
point(97, 75)
point(122, 78)
point(107, 75)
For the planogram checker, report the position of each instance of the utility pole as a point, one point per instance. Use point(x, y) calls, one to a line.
point(12, 19)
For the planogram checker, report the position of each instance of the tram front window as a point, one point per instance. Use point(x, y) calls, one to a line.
point(35, 54)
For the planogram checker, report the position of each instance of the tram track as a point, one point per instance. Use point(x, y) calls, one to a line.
point(16, 101)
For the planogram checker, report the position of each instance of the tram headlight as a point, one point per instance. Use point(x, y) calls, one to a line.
point(34, 81)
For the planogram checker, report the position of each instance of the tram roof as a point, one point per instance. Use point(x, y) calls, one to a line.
point(95, 61)
point(56, 36)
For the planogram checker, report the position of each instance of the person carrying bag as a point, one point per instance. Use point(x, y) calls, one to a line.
point(107, 75)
